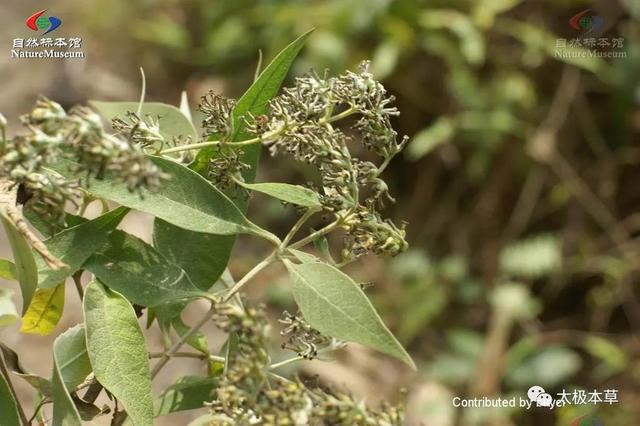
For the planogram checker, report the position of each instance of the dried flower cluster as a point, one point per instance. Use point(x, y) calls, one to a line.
point(245, 398)
point(53, 135)
point(303, 339)
point(303, 123)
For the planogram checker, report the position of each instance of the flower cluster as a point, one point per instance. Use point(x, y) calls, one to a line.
point(53, 135)
point(303, 123)
point(304, 339)
point(244, 398)
point(217, 113)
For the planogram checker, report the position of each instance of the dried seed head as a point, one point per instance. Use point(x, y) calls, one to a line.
point(217, 113)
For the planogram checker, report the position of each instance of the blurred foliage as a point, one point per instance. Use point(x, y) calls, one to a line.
point(518, 189)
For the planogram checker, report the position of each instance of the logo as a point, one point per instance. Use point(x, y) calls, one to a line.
point(586, 421)
point(38, 22)
point(586, 22)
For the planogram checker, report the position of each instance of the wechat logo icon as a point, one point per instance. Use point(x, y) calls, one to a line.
point(538, 395)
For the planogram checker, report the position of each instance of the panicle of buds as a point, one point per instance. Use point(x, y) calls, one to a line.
point(303, 122)
point(52, 135)
point(217, 114)
point(243, 396)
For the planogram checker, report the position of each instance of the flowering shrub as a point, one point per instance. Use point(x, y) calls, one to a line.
point(197, 190)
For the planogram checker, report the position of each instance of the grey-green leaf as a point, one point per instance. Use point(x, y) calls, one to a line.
point(173, 122)
point(118, 352)
point(71, 355)
point(294, 194)
point(25, 264)
point(8, 405)
point(65, 412)
point(135, 269)
point(335, 305)
point(187, 200)
point(188, 393)
point(75, 245)
point(197, 253)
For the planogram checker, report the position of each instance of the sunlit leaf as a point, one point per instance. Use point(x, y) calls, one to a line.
point(44, 311)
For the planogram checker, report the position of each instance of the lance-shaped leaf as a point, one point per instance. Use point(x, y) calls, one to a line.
point(64, 410)
point(117, 351)
point(8, 405)
point(8, 313)
point(132, 267)
point(75, 245)
point(25, 265)
point(294, 194)
point(208, 256)
point(41, 384)
point(188, 393)
point(73, 360)
point(44, 311)
point(335, 305)
point(187, 200)
point(173, 122)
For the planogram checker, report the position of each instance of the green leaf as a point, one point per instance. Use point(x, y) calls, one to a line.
point(132, 267)
point(75, 245)
point(7, 270)
point(188, 393)
point(196, 253)
point(73, 360)
point(187, 200)
point(173, 122)
point(294, 194)
point(202, 249)
point(12, 361)
point(64, 410)
point(44, 311)
point(8, 313)
point(335, 305)
point(8, 405)
point(25, 264)
point(255, 101)
point(118, 352)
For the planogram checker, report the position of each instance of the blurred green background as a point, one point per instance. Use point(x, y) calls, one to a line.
point(519, 186)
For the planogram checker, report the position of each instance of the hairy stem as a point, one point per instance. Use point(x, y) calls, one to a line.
point(252, 273)
point(166, 356)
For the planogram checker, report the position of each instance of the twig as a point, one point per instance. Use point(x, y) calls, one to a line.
point(16, 219)
point(176, 347)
